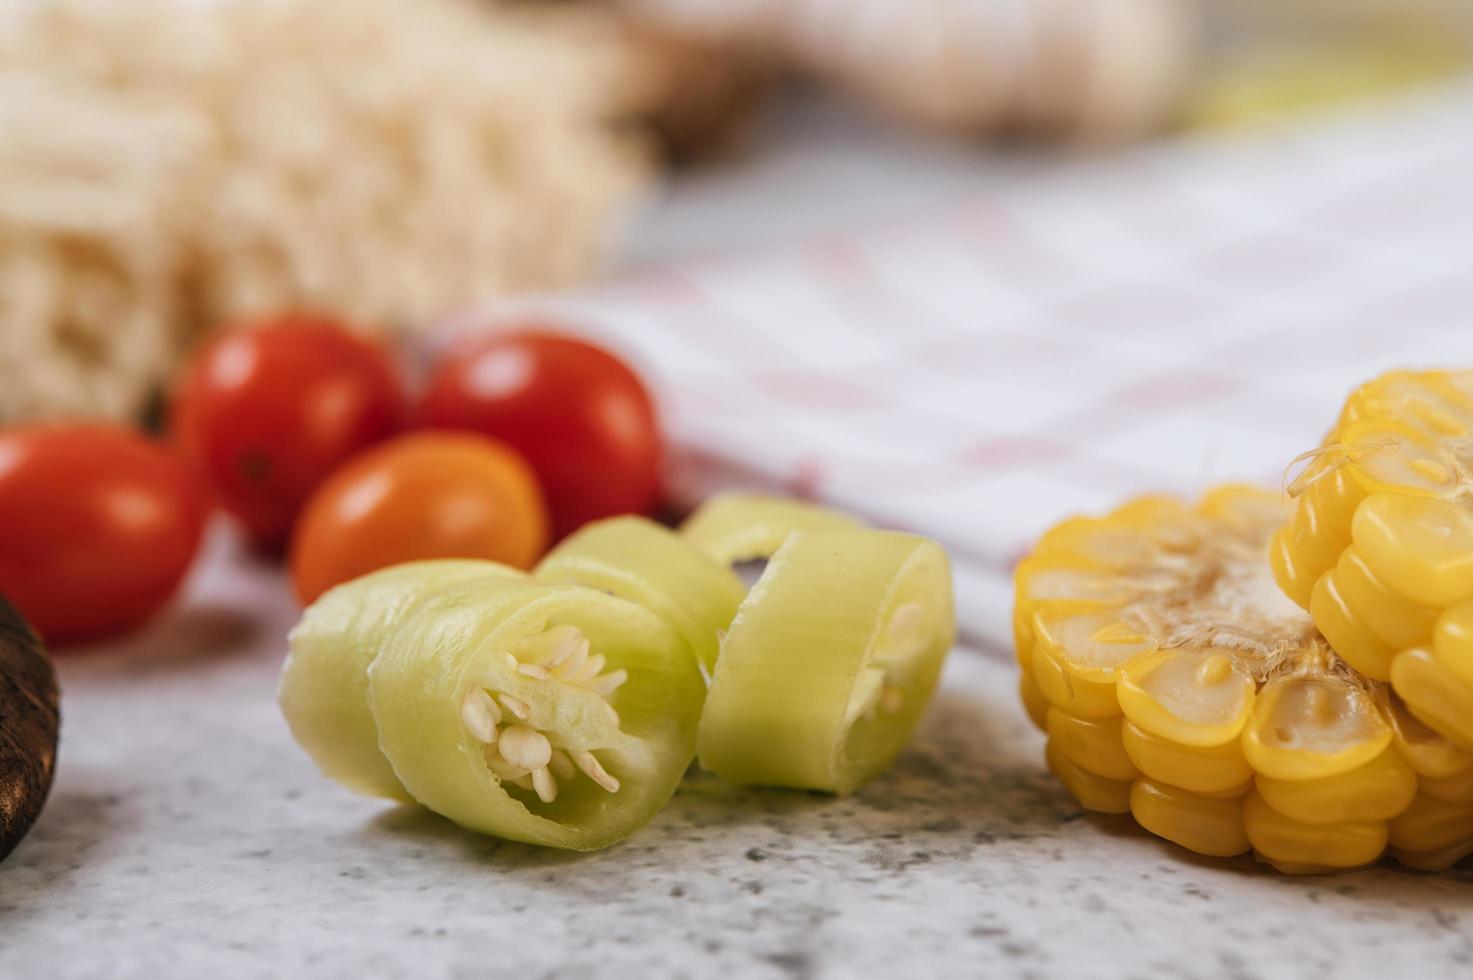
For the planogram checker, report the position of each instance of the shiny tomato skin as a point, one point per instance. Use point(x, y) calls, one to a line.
point(98, 527)
point(270, 410)
point(419, 496)
point(581, 416)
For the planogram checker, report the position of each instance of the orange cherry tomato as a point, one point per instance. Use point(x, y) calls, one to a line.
point(271, 410)
point(423, 495)
point(97, 528)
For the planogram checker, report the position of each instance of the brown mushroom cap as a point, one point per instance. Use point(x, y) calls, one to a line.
point(29, 721)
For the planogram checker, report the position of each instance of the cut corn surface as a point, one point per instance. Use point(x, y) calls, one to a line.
point(1181, 686)
point(1379, 547)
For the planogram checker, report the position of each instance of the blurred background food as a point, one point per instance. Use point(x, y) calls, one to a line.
point(171, 166)
point(1104, 68)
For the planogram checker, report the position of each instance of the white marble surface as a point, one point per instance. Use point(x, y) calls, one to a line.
point(188, 837)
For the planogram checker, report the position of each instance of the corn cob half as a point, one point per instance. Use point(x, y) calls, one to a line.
point(1380, 551)
point(1380, 546)
point(1176, 683)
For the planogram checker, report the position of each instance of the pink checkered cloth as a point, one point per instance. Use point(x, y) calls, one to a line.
point(1162, 319)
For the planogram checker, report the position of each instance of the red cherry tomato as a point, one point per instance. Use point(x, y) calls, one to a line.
point(424, 495)
point(582, 418)
point(271, 411)
point(99, 527)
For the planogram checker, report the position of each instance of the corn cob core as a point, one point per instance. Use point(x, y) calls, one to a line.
point(1176, 683)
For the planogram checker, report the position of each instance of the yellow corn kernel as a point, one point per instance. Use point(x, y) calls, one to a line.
point(1078, 697)
point(1152, 511)
point(1076, 660)
point(1242, 507)
point(1064, 536)
point(1034, 703)
point(1450, 789)
point(1312, 728)
point(1057, 585)
point(1291, 573)
point(1378, 790)
point(1439, 859)
point(1221, 770)
point(1327, 500)
point(1063, 583)
point(1396, 621)
point(1373, 398)
point(1164, 523)
point(1337, 496)
point(1093, 792)
point(1426, 750)
point(1420, 547)
point(1190, 696)
point(1385, 456)
point(1350, 636)
point(1235, 793)
point(1458, 384)
point(1099, 542)
point(1300, 848)
point(1315, 542)
point(1023, 638)
point(1093, 647)
point(1092, 744)
point(1435, 695)
point(1428, 401)
point(1452, 640)
point(1198, 823)
point(1437, 830)
point(1431, 825)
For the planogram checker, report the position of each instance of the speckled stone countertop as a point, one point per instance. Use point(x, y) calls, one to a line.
point(188, 837)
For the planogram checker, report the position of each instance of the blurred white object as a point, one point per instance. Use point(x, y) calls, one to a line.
point(1100, 69)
